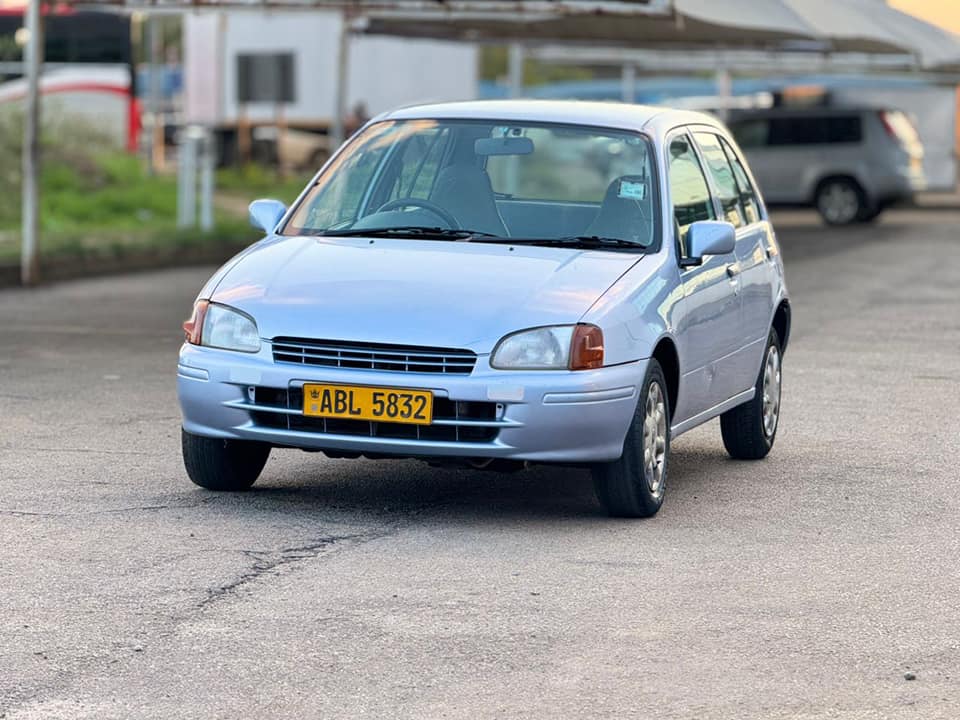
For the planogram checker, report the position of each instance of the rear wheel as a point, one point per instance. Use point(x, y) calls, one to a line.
point(840, 201)
point(633, 485)
point(217, 464)
point(749, 430)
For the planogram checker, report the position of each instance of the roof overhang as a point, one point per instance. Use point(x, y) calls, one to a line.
point(501, 12)
point(793, 26)
point(647, 23)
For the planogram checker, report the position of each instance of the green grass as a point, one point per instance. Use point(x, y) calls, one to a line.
point(110, 205)
point(255, 181)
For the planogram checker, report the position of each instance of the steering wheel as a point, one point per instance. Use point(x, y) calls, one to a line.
point(440, 212)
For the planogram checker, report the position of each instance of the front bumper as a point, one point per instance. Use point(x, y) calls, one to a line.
point(548, 416)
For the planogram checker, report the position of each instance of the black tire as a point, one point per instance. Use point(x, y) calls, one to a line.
point(624, 486)
point(746, 436)
point(870, 214)
point(216, 464)
point(841, 201)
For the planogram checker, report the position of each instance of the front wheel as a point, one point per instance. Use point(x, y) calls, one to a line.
point(633, 485)
point(749, 430)
point(217, 464)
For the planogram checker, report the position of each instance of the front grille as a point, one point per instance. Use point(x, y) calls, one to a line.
point(456, 418)
point(373, 356)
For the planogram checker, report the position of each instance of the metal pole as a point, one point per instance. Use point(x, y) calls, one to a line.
point(515, 69)
point(33, 59)
point(155, 138)
point(207, 181)
point(724, 85)
point(337, 130)
point(187, 178)
point(628, 83)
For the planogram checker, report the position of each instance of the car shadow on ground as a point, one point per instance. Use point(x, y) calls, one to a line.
point(361, 490)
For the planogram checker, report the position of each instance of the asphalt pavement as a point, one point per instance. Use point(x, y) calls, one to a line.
point(820, 583)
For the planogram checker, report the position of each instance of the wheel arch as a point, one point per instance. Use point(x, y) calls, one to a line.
point(782, 319)
point(845, 176)
point(665, 353)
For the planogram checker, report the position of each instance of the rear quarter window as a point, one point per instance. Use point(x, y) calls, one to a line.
point(814, 130)
point(751, 133)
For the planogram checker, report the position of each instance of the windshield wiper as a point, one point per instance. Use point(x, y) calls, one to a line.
point(410, 231)
point(582, 241)
point(423, 232)
point(598, 241)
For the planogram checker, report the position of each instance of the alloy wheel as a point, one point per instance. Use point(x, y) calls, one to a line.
point(655, 439)
point(839, 203)
point(771, 391)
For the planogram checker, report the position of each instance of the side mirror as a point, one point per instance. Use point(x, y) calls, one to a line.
point(266, 214)
point(709, 237)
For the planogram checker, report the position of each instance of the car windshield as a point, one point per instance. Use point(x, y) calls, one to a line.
point(488, 181)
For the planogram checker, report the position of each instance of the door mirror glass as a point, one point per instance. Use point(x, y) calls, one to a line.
point(710, 237)
point(266, 214)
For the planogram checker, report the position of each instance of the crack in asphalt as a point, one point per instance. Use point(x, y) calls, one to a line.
point(269, 562)
point(266, 563)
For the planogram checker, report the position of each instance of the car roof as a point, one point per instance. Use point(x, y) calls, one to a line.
point(617, 115)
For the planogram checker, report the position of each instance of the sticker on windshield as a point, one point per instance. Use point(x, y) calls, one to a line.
point(632, 190)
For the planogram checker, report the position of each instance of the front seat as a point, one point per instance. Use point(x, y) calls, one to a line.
point(626, 211)
point(465, 190)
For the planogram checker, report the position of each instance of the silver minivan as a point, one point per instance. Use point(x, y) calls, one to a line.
point(849, 163)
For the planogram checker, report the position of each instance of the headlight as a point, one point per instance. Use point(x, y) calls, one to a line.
point(222, 327)
point(560, 347)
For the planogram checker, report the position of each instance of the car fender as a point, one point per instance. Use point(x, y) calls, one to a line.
point(781, 297)
point(211, 285)
point(637, 311)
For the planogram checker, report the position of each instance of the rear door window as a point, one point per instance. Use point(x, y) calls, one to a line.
point(748, 196)
point(689, 191)
point(723, 179)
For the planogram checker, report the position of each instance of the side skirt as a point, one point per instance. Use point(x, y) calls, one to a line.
point(713, 412)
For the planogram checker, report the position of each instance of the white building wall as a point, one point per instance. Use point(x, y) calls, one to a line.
point(384, 72)
point(387, 72)
point(202, 79)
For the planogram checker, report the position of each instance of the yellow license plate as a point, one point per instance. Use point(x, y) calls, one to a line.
point(355, 402)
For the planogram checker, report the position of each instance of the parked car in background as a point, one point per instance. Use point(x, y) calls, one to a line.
point(849, 163)
point(493, 284)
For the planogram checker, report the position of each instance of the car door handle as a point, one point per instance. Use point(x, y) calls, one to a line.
point(733, 270)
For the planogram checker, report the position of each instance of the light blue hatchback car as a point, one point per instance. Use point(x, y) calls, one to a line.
point(494, 284)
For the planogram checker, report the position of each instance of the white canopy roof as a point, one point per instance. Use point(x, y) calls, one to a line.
point(639, 23)
point(837, 25)
point(847, 26)
point(834, 26)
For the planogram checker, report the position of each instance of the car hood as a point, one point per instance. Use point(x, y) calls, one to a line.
point(413, 292)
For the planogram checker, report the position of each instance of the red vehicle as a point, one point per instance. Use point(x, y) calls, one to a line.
point(91, 59)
